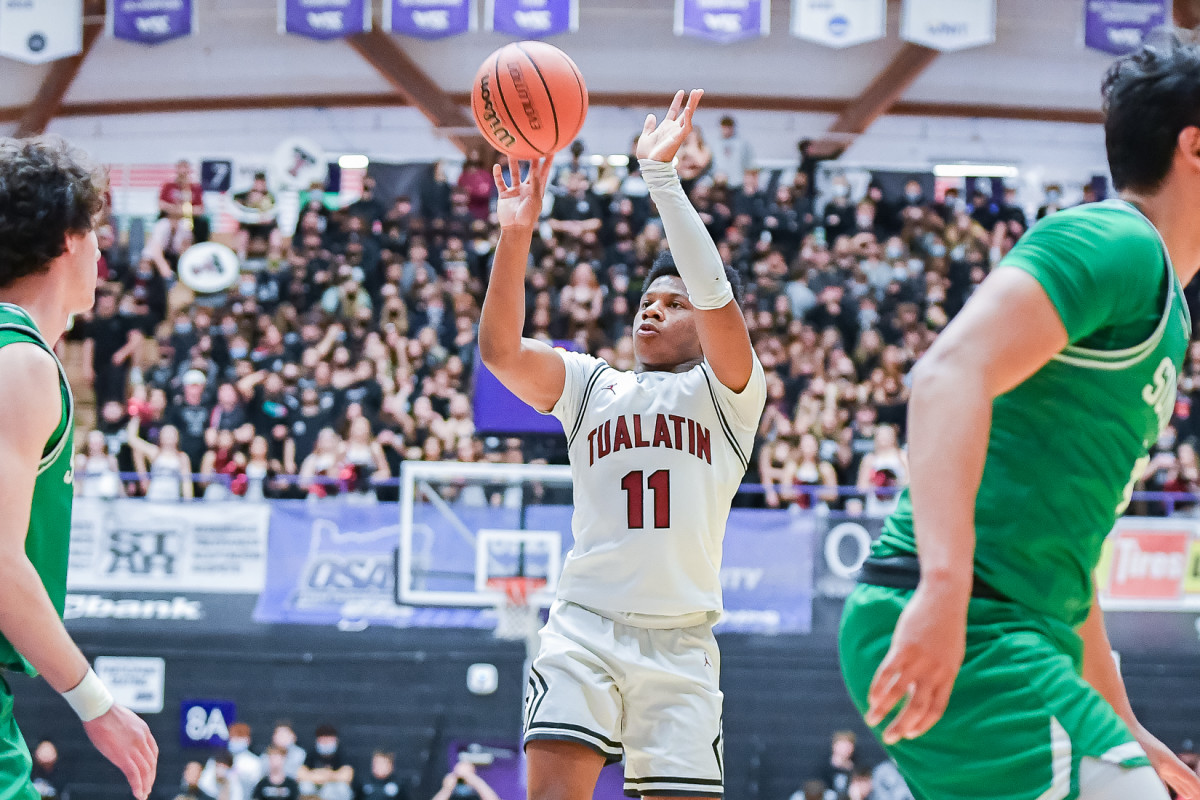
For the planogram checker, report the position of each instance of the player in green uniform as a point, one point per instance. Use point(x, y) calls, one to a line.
point(984, 666)
point(49, 198)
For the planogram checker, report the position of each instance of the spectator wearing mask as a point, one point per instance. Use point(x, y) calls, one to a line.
point(219, 780)
point(463, 783)
point(840, 769)
point(111, 342)
point(189, 784)
point(732, 155)
point(1053, 203)
point(247, 766)
point(45, 781)
point(276, 784)
point(191, 416)
point(325, 773)
point(383, 784)
point(476, 181)
point(283, 737)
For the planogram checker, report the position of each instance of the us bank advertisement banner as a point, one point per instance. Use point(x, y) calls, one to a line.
point(151, 21)
point(723, 21)
point(532, 18)
point(839, 23)
point(324, 19)
point(39, 31)
point(949, 25)
point(139, 546)
point(334, 563)
point(429, 19)
point(1119, 26)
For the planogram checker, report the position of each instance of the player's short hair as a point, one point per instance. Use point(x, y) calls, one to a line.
point(47, 190)
point(665, 265)
point(1150, 96)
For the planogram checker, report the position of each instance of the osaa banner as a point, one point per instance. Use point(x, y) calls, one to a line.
point(839, 23)
point(38, 31)
point(949, 25)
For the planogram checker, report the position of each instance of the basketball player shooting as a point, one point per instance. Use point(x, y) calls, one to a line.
point(48, 253)
point(627, 661)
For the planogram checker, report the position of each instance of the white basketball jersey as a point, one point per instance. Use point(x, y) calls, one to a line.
point(656, 458)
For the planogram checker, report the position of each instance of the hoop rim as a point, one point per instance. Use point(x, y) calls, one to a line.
point(517, 588)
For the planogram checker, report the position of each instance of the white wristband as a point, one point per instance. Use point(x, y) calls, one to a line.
point(91, 698)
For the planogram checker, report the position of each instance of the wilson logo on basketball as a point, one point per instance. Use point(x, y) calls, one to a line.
point(1148, 564)
point(531, 114)
point(490, 118)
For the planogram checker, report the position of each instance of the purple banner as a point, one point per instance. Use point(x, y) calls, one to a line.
point(324, 19)
point(1119, 26)
point(333, 563)
point(429, 19)
point(723, 21)
point(151, 21)
point(532, 18)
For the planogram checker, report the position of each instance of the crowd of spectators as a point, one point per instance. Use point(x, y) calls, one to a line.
point(350, 347)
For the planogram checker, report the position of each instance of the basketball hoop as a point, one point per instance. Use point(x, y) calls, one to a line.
point(517, 619)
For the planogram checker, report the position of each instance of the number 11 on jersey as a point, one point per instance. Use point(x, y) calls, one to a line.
point(660, 485)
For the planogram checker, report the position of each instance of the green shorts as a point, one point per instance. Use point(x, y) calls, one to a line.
point(1020, 716)
point(16, 765)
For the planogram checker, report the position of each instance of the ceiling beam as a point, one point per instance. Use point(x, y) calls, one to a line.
point(48, 100)
point(638, 100)
point(413, 84)
point(877, 99)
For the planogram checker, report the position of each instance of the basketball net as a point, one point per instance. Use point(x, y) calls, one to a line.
point(517, 619)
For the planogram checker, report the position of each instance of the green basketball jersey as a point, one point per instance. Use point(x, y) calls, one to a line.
point(48, 539)
point(1068, 444)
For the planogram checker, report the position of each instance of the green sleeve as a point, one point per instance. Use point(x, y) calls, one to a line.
point(1101, 266)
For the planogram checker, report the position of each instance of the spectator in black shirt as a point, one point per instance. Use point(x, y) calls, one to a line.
point(383, 784)
point(191, 416)
point(577, 212)
point(462, 783)
point(330, 777)
point(267, 404)
point(276, 785)
point(111, 343)
point(840, 768)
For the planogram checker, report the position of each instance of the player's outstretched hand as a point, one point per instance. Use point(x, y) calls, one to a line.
point(124, 739)
point(925, 656)
point(662, 142)
point(519, 205)
point(1174, 773)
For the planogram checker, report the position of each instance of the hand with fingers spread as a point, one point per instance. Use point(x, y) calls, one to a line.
point(124, 739)
point(920, 667)
point(520, 204)
point(661, 142)
point(1170, 769)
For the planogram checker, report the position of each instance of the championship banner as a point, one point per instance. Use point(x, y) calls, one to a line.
point(324, 19)
point(532, 18)
point(151, 21)
point(839, 23)
point(1119, 26)
point(38, 31)
point(429, 19)
point(1151, 564)
point(949, 25)
point(723, 21)
point(140, 546)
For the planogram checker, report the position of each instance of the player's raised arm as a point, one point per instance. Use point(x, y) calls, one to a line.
point(949, 421)
point(529, 369)
point(722, 328)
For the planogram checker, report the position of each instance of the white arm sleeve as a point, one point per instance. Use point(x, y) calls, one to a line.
point(696, 256)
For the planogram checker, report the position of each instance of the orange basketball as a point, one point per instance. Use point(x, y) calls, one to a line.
point(529, 99)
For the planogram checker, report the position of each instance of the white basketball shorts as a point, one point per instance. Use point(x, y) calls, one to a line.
point(651, 695)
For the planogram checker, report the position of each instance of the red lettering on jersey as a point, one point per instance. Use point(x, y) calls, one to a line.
point(703, 447)
point(661, 432)
point(621, 435)
point(638, 440)
point(604, 440)
point(592, 447)
point(678, 431)
point(692, 437)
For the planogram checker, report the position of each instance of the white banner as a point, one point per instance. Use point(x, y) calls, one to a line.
point(839, 23)
point(37, 31)
point(136, 683)
point(949, 25)
point(138, 546)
